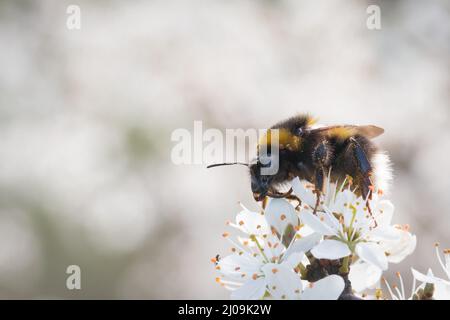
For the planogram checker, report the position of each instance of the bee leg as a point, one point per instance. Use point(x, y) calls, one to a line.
point(277, 194)
point(295, 198)
point(318, 187)
point(287, 195)
point(365, 169)
point(321, 157)
point(363, 166)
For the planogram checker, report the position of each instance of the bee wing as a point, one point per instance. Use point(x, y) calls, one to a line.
point(368, 131)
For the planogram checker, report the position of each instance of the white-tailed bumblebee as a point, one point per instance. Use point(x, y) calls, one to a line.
point(311, 152)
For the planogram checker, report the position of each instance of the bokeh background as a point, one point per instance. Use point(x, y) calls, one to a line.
point(86, 116)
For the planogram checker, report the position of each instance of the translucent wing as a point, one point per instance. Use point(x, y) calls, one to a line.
point(369, 131)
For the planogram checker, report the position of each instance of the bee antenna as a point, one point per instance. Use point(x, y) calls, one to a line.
point(226, 164)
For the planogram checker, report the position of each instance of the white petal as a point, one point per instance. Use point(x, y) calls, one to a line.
point(251, 290)
point(441, 291)
point(282, 281)
point(235, 266)
point(364, 276)
point(389, 233)
point(272, 246)
point(303, 244)
point(329, 218)
point(305, 230)
point(294, 259)
point(316, 224)
point(428, 278)
point(279, 214)
point(328, 288)
point(342, 202)
point(399, 248)
point(383, 212)
point(330, 249)
point(372, 253)
point(252, 222)
point(304, 194)
point(403, 251)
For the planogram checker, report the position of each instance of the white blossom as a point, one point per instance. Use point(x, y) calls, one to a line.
point(271, 256)
point(348, 228)
point(441, 286)
point(364, 276)
point(265, 261)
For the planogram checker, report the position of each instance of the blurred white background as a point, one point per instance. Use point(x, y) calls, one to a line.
point(86, 116)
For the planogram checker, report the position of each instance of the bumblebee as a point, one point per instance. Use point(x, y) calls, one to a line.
point(311, 152)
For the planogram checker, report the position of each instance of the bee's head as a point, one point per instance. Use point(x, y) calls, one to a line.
point(260, 183)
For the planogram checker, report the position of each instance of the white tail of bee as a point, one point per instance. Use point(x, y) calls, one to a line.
point(382, 171)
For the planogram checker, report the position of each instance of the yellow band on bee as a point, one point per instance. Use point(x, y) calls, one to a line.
point(286, 139)
point(312, 121)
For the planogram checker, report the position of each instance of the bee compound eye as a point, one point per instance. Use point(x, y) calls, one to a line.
point(299, 131)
